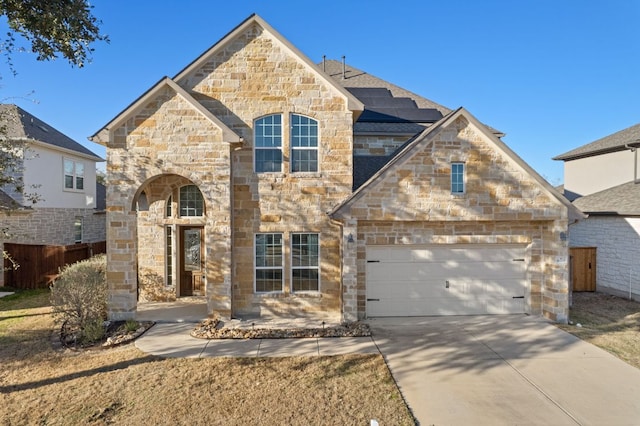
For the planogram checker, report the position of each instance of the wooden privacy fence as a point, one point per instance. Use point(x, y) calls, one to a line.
point(38, 265)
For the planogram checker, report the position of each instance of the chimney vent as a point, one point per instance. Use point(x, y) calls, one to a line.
point(324, 63)
point(344, 68)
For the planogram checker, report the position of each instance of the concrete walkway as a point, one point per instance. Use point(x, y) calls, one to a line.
point(5, 293)
point(505, 370)
point(172, 340)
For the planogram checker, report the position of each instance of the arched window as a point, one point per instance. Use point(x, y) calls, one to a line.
point(191, 201)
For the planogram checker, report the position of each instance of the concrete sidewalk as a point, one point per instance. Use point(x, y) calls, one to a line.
point(172, 340)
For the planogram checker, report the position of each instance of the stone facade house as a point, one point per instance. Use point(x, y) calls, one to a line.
point(62, 174)
point(601, 178)
point(274, 186)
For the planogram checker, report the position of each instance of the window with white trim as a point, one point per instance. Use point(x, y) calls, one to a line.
point(457, 178)
point(73, 175)
point(77, 230)
point(304, 144)
point(169, 255)
point(305, 264)
point(268, 263)
point(191, 201)
point(268, 144)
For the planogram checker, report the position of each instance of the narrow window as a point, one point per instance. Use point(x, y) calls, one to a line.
point(304, 144)
point(268, 144)
point(73, 174)
point(169, 207)
point(457, 178)
point(77, 230)
point(305, 269)
point(268, 263)
point(169, 255)
point(191, 201)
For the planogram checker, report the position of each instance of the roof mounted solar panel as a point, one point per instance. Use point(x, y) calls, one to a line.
point(370, 92)
point(399, 115)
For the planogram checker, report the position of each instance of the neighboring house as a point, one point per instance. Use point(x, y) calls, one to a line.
point(277, 187)
point(63, 175)
point(601, 178)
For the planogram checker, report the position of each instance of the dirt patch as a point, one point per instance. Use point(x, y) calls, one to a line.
point(39, 385)
point(609, 322)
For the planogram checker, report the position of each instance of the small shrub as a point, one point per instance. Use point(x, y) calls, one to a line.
point(93, 331)
point(79, 296)
point(131, 325)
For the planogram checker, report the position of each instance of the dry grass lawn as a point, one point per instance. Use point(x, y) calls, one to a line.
point(609, 322)
point(46, 386)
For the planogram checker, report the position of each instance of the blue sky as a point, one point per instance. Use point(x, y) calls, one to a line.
point(551, 74)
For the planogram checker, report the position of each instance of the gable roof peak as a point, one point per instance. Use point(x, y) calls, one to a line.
point(353, 103)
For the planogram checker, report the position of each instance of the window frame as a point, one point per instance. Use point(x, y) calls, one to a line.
point(76, 177)
point(170, 256)
point(309, 123)
point(458, 178)
point(304, 267)
point(257, 123)
point(257, 268)
point(78, 229)
point(187, 208)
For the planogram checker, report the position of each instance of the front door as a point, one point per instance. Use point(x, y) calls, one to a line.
point(191, 262)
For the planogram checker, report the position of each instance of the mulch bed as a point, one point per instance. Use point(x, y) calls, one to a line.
point(116, 334)
point(214, 329)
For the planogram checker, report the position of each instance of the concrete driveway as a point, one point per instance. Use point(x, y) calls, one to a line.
point(505, 370)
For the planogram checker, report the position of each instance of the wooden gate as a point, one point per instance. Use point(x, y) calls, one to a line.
point(583, 268)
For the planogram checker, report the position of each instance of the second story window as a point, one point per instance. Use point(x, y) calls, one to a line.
point(304, 144)
point(457, 178)
point(268, 144)
point(73, 175)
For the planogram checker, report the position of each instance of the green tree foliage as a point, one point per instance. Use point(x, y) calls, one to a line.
point(52, 27)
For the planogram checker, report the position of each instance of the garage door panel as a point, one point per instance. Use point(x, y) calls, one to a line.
point(464, 280)
point(443, 271)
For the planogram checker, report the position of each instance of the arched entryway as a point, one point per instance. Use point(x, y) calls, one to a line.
point(171, 225)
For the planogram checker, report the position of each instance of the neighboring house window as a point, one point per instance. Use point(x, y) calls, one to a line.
point(457, 178)
point(191, 201)
point(304, 144)
point(268, 263)
point(73, 175)
point(268, 144)
point(77, 230)
point(305, 265)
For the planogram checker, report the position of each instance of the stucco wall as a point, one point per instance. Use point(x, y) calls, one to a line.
point(612, 169)
point(44, 167)
point(618, 252)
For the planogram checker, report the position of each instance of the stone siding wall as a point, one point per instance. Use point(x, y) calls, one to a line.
point(618, 252)
point(253, 76)
point(377, 145)
point(167, 143)
point(53, 226)
point(413, 204)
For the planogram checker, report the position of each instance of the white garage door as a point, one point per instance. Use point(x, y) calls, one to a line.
point(445, 280)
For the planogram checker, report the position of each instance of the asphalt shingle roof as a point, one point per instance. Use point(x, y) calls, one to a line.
point(22, 125)
point(611, 143)
point(621, 200)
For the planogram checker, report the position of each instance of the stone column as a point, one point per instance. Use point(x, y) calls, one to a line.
point(349, 270)
point(122, 279)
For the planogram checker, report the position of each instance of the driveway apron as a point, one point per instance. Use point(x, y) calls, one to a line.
point(505, 370)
